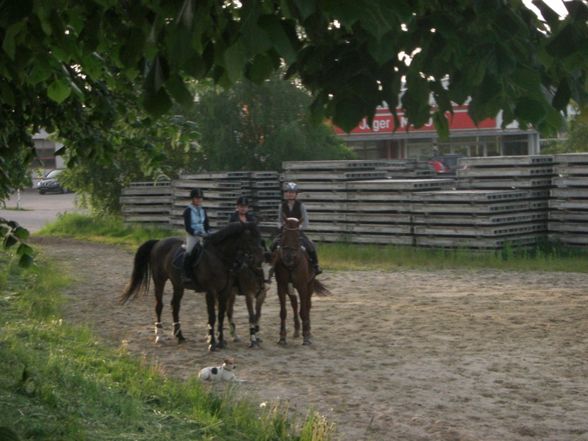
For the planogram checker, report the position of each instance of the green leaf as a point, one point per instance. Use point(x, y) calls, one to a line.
point(347, 113)
point(22, 233)
point(157, 103)
point(10, 240)
point(260, 69)
point(23, 249)
point(25, 261)
point(305, 7)
point(278, 34)
point(441, 124)
point(59, 90)
point(235, 58)
point(178, 90)
point(39, 73)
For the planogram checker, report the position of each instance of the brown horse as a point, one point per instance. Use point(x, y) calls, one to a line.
point(250, 283)
point(223, 254)
point(292, 266)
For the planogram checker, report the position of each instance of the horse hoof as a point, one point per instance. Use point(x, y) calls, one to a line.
point(158, 340)
point(296, 334)
point(222, 344)
point(254, 344)
point(306, 342)
point(282, 342)
point(181, 340)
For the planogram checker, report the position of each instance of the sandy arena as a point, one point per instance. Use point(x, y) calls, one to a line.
point(408, 355)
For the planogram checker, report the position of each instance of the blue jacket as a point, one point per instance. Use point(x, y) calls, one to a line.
point(191, 226)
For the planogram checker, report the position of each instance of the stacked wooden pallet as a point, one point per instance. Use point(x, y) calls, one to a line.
point(221, 191)
point(147, 203)
point(354, 201)
point(505, 172)
point(482, 219)
point(407, 169)
point(568, 215)
point(265, 193)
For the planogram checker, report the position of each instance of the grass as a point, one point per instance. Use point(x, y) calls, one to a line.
point(544, 256)
point(57, 382)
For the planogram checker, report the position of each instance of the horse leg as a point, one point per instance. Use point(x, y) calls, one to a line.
point(222, 310)
point(158, 308)
point(210, 306)
point(282, 289)
point(176, 303)
point(294, 302)
point(258, 303)
point(230, 307)
point(305, 315)
point(252, 337)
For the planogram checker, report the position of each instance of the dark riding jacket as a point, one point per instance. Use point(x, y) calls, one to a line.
point(234, 217)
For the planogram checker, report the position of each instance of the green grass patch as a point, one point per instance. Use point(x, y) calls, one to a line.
point(545, 256)
point(103, 229)
point(57, 382)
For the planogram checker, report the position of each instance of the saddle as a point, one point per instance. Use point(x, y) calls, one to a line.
point(179, 258)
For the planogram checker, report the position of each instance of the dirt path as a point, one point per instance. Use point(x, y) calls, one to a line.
point(412, 355)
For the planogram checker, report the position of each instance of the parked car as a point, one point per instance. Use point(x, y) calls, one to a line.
point(50, 183)
point(446, 164)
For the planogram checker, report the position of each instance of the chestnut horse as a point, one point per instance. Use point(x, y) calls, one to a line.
point(222, 256)
point(292, 266)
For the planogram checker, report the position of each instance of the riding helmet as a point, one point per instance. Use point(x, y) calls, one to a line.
point(243, 200)
point(291, 186)
point(196, 193)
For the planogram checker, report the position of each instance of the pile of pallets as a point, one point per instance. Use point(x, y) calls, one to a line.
point(264, 191)
point(147, 203)
point(482, 219)
point(505, 172)
point(406, 169)
point(221, 191)
point(568, 214)
point(354, 201)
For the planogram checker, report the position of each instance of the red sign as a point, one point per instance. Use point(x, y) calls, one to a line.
point(384, 123)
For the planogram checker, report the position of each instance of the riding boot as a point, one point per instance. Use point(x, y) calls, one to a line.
point(314, 262)
point(188, 267)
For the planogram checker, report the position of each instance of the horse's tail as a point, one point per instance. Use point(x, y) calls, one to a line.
point(320, 289)
point(139, 282)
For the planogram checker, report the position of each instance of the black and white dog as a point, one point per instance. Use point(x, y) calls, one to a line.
point(220, 373)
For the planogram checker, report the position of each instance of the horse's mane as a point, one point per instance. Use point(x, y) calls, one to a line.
point(233, 229)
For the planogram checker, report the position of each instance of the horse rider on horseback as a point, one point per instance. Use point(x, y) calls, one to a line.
point(197, 226)
point(242, 213)
point(292, 207)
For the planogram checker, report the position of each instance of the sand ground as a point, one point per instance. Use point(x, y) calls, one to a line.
point(407, 355)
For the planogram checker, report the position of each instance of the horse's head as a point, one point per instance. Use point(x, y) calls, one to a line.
point(291, 233)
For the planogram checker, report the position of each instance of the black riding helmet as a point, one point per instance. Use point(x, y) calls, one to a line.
point(196, 193)
point(243, 200)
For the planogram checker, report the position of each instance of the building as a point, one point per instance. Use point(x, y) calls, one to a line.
point(45, 149)
point(488, 138)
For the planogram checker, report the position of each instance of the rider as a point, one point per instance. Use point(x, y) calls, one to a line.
point(242, 213)
point(292, 207)
point(196, 226)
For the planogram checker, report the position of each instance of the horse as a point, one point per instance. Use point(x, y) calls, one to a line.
point(292, 266)
point(250, 283)
point(213, 273)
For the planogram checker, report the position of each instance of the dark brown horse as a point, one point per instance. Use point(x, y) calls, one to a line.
point(223, 254)
point(249, 283)
point(292, 266)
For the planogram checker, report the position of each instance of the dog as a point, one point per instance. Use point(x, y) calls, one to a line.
point(220, 373)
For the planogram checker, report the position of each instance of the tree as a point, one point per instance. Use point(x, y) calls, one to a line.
point(63, 61)
point(256, 127)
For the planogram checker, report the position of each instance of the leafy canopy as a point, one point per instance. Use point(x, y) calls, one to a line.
point(63, 62)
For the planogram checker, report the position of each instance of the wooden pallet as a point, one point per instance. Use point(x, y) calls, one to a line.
point(479, 220)
point(500, 172)
point(329, 165)
point(480, 230)
point(571, 158)
point(476, 243)
point(503, 183)
point(500, 161)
